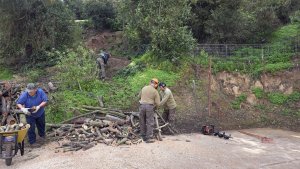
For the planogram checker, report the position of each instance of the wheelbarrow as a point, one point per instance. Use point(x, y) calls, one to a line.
point(11, 142)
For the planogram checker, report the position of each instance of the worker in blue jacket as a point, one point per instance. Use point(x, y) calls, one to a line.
point(32, 103)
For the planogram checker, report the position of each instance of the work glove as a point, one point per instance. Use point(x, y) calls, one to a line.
point(36, 109)
point(25, 111)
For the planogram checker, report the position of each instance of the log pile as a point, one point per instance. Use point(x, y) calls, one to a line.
point(98, 125)
point(9, 93)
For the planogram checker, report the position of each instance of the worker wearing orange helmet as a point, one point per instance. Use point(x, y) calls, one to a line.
point(149, 100)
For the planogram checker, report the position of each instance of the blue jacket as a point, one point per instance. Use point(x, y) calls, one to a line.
point(30, 101)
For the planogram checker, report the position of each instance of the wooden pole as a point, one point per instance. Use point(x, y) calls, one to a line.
point(209, 88)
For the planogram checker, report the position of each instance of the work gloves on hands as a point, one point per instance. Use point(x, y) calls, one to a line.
point(36, 109)
point(25, 111)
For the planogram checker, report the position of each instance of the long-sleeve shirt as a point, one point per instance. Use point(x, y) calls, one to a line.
point(149, 95)
point(30, 101)
point(168, 100)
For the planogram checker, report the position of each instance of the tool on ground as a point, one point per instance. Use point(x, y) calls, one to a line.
point(222, 135)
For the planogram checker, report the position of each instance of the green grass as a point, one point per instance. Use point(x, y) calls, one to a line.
point(287, 31)
point(236, 103)
point(277, 55)
point(280, 98)
point(258, 92)
point(5, 74)
point(277, 98)
point(119, 92)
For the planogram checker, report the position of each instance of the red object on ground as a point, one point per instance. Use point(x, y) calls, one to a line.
point(262, 139)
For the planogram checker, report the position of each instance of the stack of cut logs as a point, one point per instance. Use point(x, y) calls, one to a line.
point(9, 93)
point(98, 125)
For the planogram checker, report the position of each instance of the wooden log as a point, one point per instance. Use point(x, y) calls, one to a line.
point(114, 130)
point(88, 146)
point(104, 130)
point(115, 119)
point(122, 141)
point(106, 111)
point(173, 131)
point(62, 125)
point(82, 115)
point(158, 128)
point(71, 149)
point(96, 123)
point(108, 141)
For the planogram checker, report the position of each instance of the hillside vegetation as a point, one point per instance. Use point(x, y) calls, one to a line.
point(58, 41)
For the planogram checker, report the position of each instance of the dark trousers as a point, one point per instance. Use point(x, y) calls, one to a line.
point(169, 116)
point(39, 122)
point(146, 120)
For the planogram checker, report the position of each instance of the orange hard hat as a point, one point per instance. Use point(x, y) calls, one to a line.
point(154, 80)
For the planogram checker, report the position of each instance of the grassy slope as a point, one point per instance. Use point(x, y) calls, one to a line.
point(119, 92)
point(122, 90)
point(277, 55)
point(5, 74)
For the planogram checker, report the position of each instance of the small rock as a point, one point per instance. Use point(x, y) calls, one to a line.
point(188, 140)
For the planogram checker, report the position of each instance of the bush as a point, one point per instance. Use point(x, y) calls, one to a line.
point(258, 92)
point(77, 69)
point(236, 104)
point(277, 98)
point(294, 97)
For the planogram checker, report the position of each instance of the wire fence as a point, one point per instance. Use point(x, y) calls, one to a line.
point(291, 45)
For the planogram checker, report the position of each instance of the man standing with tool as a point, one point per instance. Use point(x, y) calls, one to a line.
point(168, 103)
point(32, 103)
point(102, 62)
point(149, 100)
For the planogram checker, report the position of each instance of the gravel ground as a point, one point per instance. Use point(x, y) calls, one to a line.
point(188, 151)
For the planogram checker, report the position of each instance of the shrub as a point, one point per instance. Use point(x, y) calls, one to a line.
point(236, 104)
point(277, 98)
point(258, 92)
point(294, 97)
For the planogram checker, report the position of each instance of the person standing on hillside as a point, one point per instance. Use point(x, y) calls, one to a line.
point(149, 100)
point(102, 62)
point(32, 103)
point(168, 103)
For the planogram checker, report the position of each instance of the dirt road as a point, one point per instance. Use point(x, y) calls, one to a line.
point(187, 151)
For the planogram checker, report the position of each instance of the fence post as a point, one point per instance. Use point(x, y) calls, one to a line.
point(209, 88)
point(195, 97)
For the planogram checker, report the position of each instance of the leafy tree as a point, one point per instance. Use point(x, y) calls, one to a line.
point(244, 21)
point(227, 24)
point(201, 11)
point(102, 13)
point(159, 24)
point(77, 7)
point(30, 27)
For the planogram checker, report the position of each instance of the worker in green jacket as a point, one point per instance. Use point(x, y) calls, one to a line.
point(168, 103)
